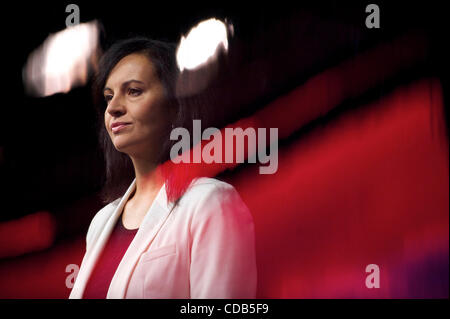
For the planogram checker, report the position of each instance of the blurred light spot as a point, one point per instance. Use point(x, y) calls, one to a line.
point(62, 61)
point(202, 43)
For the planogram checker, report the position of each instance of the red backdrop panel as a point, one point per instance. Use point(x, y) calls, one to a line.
point(369, 187)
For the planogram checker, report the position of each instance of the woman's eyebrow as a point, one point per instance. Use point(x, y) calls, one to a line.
point(125, 84)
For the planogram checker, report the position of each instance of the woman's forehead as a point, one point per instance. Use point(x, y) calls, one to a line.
point(134, 66)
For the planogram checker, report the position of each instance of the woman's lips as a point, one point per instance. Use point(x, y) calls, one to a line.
point(119, 127)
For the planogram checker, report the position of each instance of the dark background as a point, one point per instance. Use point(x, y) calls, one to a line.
point(48, 146)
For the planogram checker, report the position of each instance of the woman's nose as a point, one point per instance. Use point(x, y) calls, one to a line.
point(115, 108)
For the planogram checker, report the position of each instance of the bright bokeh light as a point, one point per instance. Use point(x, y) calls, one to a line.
point(202, 44)
point(63, 60)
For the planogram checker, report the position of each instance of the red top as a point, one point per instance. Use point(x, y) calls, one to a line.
point(98, 283)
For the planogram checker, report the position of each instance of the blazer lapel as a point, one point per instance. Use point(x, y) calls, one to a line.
point(155, 217)
point(102, 239)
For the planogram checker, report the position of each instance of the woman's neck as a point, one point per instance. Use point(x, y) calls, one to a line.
point(149, 179)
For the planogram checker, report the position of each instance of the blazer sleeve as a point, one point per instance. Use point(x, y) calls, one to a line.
point(223, 261)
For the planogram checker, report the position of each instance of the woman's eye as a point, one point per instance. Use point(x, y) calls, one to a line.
point(108, 98)
point(134, 92)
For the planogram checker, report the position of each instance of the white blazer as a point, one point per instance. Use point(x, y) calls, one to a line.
point(204, 248)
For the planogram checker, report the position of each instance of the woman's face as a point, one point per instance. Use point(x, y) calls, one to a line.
point(136, 112)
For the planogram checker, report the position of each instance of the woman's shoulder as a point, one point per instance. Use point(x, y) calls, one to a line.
point(210, 192)
point(99, 220)
point(105, 212)
point(108, 208)
point(208, 185)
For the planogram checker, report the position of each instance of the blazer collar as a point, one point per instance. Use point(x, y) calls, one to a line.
point(100, 239)
point(154, 219)
point(152, 222)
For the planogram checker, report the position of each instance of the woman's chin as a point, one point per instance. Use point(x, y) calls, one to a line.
point(128, 148)
point(121, 147)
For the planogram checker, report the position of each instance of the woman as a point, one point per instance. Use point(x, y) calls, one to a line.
point(156, 240)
